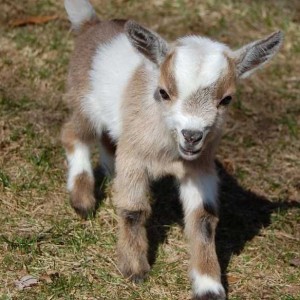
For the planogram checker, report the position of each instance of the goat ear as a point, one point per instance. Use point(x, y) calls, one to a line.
point(254, 55)
point(147, 42)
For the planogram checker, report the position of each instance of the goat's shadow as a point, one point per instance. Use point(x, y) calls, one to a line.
point(242, 215)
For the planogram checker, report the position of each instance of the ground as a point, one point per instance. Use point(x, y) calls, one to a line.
point(258, 238)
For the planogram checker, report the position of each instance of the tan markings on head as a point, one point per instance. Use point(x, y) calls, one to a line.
point(226, 83)
point(167, 75)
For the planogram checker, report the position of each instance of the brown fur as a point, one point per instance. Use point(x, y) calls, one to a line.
point(202, 242)
point(167, 78)
point(131, 186)
point(132, 244)
point(226, 84)
point(78, 128)
point(82, 195)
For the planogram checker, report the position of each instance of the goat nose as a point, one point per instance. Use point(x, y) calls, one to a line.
point(192, 136)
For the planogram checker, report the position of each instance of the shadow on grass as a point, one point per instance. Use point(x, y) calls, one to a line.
point(101, 181)
point(242, 215)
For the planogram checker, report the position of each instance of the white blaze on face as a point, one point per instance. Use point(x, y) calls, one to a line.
point(199, 63)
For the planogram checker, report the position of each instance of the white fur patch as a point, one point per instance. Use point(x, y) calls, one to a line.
point(195, 191)
point(177, 119)
point(204, 283)
point(79, 11)
point(113, 66)
point(79, 162)
point(199, 62)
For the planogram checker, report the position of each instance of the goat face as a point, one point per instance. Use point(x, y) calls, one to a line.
point(196, 81)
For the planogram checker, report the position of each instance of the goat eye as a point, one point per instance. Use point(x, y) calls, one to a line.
point(225, 101)
point(164, 94)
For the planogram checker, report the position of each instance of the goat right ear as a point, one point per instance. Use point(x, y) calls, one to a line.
point(150, 44)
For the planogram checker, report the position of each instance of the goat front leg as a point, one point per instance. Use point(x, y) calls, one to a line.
point(199, 198)
point(133, 208)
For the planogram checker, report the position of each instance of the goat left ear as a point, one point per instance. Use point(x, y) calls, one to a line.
point(254, 55)
point(150, 44)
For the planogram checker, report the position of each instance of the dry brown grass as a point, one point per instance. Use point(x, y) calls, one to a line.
point(259, 161)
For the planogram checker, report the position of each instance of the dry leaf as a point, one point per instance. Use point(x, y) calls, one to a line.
point(293, 290)
point(49, 276)
point(229, 166)
point(32, 20)
point(45, 278)
point(26, 282)
point(295, 262)
point(232, 279)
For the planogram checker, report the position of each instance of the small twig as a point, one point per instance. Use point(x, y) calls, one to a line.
point(14, 5)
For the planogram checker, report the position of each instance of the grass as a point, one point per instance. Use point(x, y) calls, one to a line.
point(259, 230)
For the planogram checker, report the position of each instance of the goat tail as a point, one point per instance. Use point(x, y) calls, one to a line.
point(80, 12)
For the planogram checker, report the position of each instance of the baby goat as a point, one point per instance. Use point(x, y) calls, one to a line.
point(163, 106)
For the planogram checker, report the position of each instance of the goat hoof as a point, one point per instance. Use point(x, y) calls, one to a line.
point(138, 278)
point(134, 276)
point(211, 296)
point(84, 213)
point(84, 209)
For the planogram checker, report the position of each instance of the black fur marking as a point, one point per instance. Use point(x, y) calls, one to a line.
point(120, 22)
point(206, 228)
point(131, 217)
point(211, 208)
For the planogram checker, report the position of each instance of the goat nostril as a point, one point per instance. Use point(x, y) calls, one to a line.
point(192, 136)
point(198, 136)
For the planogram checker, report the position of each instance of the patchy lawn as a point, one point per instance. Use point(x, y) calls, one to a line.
point(259, 162)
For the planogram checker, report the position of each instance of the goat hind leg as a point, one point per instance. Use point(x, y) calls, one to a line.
point(80, 174)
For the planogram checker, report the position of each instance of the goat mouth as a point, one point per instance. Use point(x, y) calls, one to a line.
point(189, 154)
